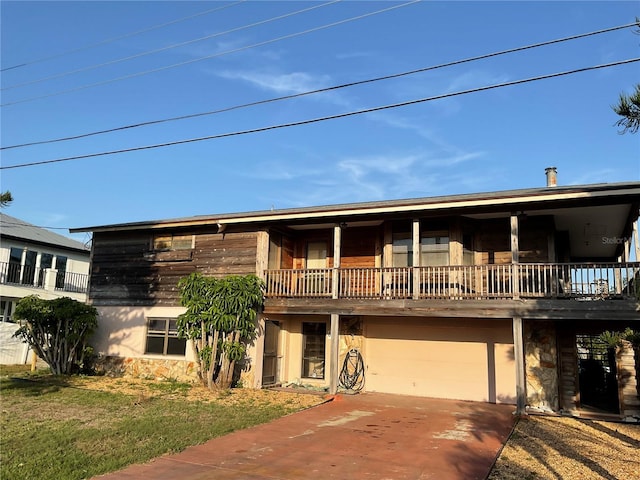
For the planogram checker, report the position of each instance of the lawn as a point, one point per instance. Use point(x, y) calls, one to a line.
point(77, 427)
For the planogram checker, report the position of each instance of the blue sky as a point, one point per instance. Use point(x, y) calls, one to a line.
point(492, 140)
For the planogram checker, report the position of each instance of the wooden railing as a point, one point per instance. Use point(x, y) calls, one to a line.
point(526, 280)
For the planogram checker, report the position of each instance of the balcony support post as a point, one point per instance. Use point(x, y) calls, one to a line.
point(334, 353)
point(50, 275)
point(518, 350)
point(335, 279)
point(515, 258)
point(415, 261)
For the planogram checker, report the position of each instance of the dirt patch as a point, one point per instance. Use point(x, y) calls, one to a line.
point(546, 447)
point(141, 390)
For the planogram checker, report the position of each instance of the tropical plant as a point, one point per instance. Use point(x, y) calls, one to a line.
point(220, 318)
point(57, 330)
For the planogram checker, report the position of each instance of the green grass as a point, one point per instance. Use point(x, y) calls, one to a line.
point(52, 429)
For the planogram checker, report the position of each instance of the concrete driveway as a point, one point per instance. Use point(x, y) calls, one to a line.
point(366, 436)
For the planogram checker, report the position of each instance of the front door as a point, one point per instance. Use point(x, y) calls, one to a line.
point(270, 356)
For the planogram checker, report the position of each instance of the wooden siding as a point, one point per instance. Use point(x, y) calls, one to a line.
point(569, 387)
point(359, 247)
point(126, 271)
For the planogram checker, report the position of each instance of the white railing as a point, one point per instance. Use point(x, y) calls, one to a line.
point(526, 280)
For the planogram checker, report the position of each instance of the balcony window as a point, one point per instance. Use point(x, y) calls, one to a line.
point(434, 250)
point(162, 337)
point(46, 261)
point(61, 266)
point(317, 255)
point(15, 265)
point(402, 250)
point(313, 349)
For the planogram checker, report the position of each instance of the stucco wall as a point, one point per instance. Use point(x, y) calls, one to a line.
point(122, 331)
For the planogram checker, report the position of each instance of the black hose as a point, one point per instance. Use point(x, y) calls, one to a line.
point(352, 373)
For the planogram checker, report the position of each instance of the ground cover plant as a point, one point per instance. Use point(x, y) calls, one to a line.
point(60, 427)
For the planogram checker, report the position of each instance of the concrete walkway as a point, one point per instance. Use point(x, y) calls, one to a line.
point(366, 436)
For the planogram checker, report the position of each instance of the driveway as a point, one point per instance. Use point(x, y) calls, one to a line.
point(366, 436)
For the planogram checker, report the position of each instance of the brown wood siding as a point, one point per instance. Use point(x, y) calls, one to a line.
point(287, 252)
point(359, 247)
point(569, 387)
point(125, 271)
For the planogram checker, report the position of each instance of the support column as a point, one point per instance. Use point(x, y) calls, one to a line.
point(521, 379)
point(335, 278)
point(334, 354)
point(515, 257)
point(415, 261)
point(636, 240)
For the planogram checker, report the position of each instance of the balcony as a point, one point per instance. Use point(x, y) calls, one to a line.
point(42, 278)
point(581, 281)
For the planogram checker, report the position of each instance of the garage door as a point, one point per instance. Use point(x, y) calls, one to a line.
point(465, 360)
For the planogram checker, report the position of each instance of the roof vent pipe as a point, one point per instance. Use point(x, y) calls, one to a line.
point(552, 176)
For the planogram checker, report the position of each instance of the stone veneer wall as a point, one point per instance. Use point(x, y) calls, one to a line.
point(627, 365)
point(150, 368)
point(541, 365)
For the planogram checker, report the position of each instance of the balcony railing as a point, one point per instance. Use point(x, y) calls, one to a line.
point(584, 281)
point(32, 277)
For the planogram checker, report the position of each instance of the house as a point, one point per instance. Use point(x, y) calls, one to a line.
point(492, 297)
point(36, 261)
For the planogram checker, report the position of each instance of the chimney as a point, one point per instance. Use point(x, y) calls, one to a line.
point(552, 176)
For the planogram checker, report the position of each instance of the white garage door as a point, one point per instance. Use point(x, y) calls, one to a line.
point(456, 359)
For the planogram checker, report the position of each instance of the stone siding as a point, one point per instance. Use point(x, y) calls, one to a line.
point(150, 368)
point(541, 365)
point(628, 382)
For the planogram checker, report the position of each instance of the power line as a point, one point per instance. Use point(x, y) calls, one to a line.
point(126, 35)
point(322, 119)
point(169, 47)
point(322, 90)
point(219, 54)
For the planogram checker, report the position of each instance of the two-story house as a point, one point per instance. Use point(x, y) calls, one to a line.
point(36, 261)
point(493, 297)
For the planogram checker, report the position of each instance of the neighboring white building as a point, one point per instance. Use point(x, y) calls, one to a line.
point(36, 261)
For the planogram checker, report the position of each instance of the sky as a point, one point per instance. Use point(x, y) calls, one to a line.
point(79, 67)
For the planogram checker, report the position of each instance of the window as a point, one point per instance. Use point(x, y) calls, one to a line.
point(15, 264)
point(162, 337)
point(434, 250)
point(402, 250)
point(46, 261)
point(313, 349)
point(317, 255)
point(173, 242)
point(61, 267)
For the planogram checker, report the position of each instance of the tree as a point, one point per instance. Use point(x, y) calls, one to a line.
point(58, 330)
point(628, 108)
point(220, 319)
point(5, 198)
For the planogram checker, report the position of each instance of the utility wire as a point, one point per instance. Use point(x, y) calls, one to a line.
point(126, 35)
point(322, 119)
point(322, 90)
point(219, 54)
point(169, 47)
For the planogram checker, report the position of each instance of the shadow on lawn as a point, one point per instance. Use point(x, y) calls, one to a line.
point(34, 386)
